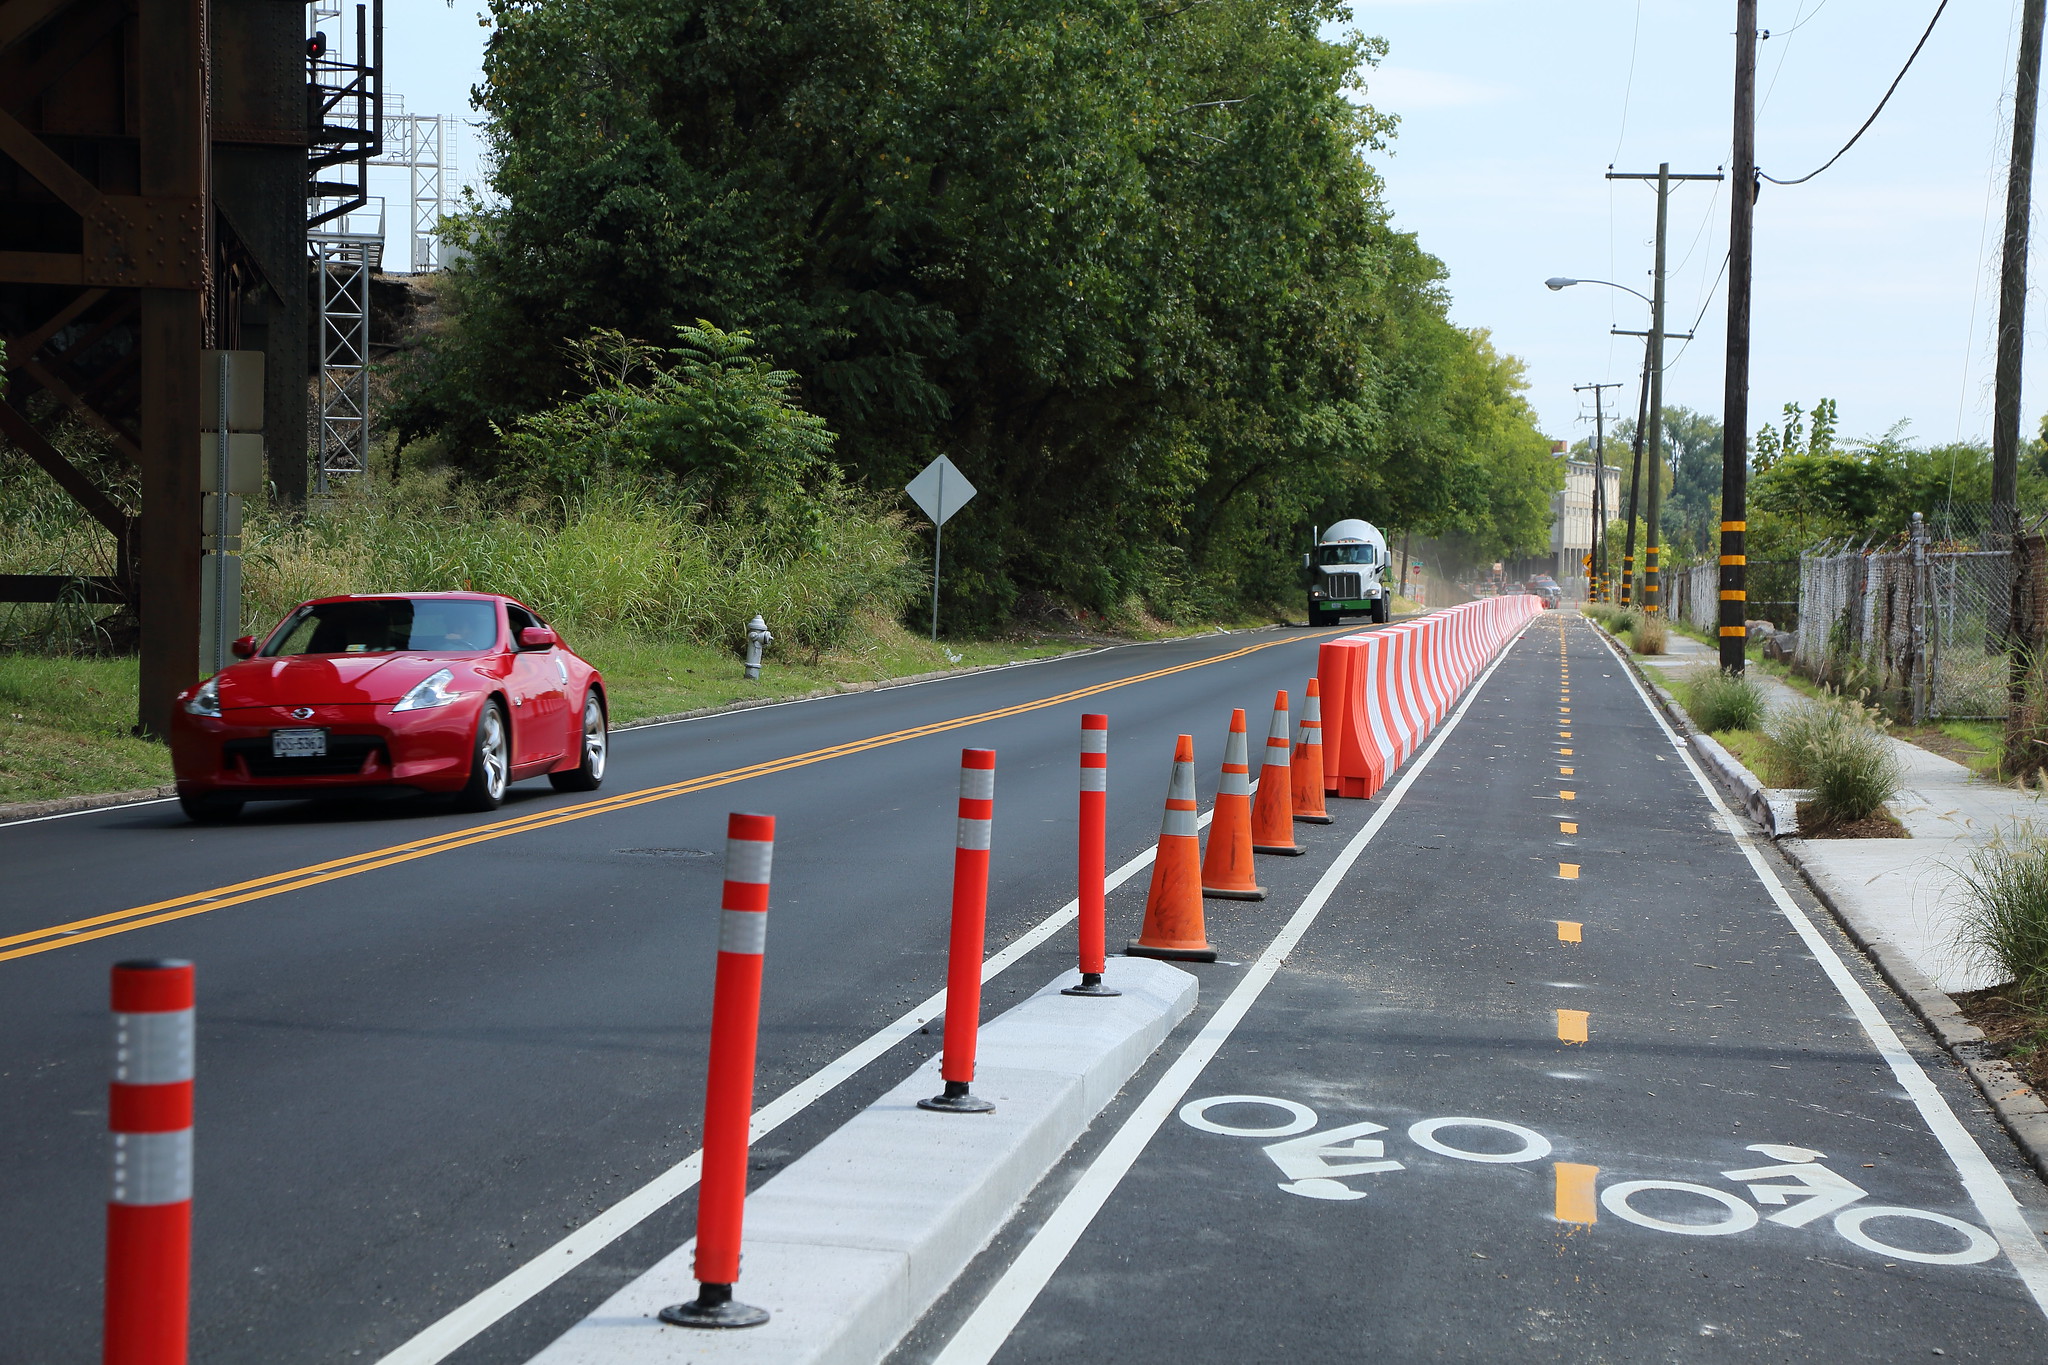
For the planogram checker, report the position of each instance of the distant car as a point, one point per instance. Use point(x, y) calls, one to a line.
point(460, 694)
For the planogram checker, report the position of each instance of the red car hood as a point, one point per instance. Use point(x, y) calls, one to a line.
point(335, 679)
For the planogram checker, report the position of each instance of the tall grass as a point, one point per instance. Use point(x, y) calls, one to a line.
point(1838, 748)
point(623, 556)
point(1720, 701)
point(2004, 916)
point(1650, 635)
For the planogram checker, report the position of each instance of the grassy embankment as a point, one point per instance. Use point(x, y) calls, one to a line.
point(652, 593)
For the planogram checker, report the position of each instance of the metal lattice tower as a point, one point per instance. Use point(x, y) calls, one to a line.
point(342, 265)
point(425, 145)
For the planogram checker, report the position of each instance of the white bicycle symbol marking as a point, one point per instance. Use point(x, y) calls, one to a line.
point(1802, 1190)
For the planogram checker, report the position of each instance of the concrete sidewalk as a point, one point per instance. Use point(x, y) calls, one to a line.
point(1904, 892)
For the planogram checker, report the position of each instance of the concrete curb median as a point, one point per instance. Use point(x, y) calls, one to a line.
point(850, 1244)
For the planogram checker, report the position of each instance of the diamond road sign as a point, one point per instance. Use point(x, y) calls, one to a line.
point(941, 490)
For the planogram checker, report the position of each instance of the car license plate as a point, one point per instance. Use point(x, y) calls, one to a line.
point(298, 743)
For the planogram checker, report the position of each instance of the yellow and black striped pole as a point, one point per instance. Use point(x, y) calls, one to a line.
point(1734, 575)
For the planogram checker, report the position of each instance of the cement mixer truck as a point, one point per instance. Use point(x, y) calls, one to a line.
point(1347, 573)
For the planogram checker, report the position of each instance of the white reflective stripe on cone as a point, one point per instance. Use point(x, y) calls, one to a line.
point(153, 1168)
point(748, 860)
point(1180, 823)
point(153, 1048)
point(743, 931)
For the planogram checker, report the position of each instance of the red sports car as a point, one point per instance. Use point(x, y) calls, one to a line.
point(450, 692)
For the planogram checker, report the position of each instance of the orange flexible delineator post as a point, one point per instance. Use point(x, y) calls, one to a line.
point(1306, 771)
point(1173, 927)
point(1227, 861)
point(1273, 805)
point(1091, 857)
point(729, 1081)
point(149, 1218)
point(969, 935)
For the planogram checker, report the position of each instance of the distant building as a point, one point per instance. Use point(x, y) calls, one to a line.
point(1571, 524)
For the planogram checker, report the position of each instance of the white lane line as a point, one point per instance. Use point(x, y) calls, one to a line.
point(88, 810)
point(458, 1328)
point(1988, 1191)
point(999, 1312)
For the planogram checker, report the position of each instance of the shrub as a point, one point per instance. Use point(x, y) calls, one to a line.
point(2004, 920)
point(1723, 701)
point(1622, 621)
point(1650, 636)
point(1838, 748)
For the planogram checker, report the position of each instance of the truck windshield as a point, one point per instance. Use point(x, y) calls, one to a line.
point(1345, 554)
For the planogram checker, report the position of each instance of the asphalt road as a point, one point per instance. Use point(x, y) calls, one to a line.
point(1403, 1151)
point(432, 1046)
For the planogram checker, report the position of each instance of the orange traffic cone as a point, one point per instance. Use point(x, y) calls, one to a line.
point(1273, 807)
point(1307, 768)
point(1173, 908)
point(1227, 864)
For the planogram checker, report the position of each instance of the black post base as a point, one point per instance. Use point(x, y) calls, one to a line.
point(1091, 984)
point(956, 1100)
point(714, 1306)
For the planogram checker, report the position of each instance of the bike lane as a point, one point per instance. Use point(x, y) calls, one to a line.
point(1553, 1074)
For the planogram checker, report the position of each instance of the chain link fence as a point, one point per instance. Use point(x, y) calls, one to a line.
point(1773, 588)
point(1914, 625)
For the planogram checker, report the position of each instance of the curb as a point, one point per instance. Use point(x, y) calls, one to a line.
point(66, 805)
point(2018, 1108)
point(849, 1245)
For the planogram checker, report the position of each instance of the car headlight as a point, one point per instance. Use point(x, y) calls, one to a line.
point(429, 693)
point(206, 701)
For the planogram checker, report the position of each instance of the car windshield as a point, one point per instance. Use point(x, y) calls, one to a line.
point(388, 625)
point(1345, 554)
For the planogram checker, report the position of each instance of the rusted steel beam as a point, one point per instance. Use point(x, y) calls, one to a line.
point(124, 441)
point(57, 175)
point(41, 267)
point(23, 347)
point(24, 17)
point(56, 587)
point(85, 27)
point(83, 490)
point(172, 120)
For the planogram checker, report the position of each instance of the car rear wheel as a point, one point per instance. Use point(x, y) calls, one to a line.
point(490, 762)
point(210, 810)
point(588, 775)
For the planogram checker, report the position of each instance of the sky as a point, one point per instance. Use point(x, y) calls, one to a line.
point(1876, 284)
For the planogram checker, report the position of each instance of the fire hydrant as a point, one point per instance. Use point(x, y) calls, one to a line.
point(758, 638)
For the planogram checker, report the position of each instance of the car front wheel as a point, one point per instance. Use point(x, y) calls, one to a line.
point(588, 775)
point(490, 762)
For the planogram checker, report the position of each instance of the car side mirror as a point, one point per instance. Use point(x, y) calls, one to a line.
point(538, 637)
point(244, 648)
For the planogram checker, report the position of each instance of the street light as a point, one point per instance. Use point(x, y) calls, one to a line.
point(1560, 282)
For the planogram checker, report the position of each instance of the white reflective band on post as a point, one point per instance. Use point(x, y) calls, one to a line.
point(1094, 779)
point(1180, 823)
point(153, 1048)
point(977, 784)
point(743, 931)
point(747, 860)
point(153, 1168)
point(974, 834)
point(1095, 741)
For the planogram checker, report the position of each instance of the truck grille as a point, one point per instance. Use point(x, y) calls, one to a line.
point(1343, 586)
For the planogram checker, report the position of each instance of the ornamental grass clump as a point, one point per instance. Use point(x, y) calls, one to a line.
point(1838, 749)
point(1650, 636)
point(1722, 701)
point(2004, 919)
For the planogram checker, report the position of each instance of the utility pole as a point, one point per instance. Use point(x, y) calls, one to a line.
point(1734, 577)
point(1652, 594)
point(2012, 304)
point(1599, 570)
point(1635, 478)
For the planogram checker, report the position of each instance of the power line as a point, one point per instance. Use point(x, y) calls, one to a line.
point(1873, 113)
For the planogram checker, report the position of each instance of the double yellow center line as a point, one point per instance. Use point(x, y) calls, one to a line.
point(280, 883)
